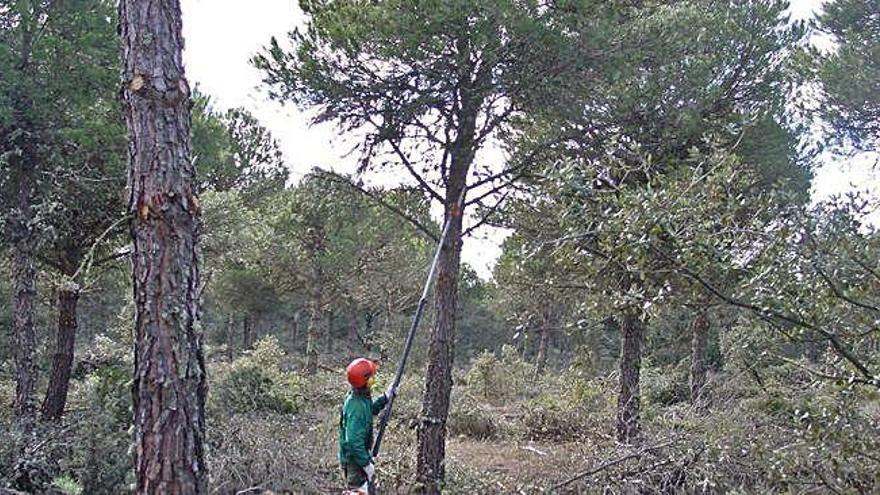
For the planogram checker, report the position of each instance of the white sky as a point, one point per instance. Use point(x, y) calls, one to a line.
point(222, 35)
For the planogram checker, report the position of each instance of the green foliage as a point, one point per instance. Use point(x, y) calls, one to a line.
point(665, 386)
point(255, 383)
point(850, 72)
point(233, 151)
point(67, 485)
point(499, 379)
point(100, 462)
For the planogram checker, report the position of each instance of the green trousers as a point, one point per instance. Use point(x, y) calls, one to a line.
point(355, 476)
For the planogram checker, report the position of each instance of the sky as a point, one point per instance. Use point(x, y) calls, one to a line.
point(222, 35)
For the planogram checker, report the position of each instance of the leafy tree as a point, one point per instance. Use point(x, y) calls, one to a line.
point(236, 246)
point(532, 276)
point(655, 103)
point(850, 74)
point(428, 84)
point(345, 253)
point(235, 152)
point(55, 74)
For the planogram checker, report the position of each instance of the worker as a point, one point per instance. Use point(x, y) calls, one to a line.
point(356, 424)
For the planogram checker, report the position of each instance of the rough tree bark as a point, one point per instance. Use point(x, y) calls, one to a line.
point(628, 399)
point(438, 381)
point(699, 358)
point(431, 451)
point(62, 362)
point(169, 377)
point(430, 461)
point(24, 272)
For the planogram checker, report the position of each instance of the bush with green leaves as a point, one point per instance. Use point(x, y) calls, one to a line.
point(255, 382)
point(100, 459)
point(499, 379)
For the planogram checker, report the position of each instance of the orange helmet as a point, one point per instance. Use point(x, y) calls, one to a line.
point(359, 372)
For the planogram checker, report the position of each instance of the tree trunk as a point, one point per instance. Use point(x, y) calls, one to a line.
point(294, 331)
point(329, 335)
point(247, 332)
point(699, 358)
point(169, 377)
point(431, 451)
point(430, 466)
point(353, 340)
point(24, 275)
point(314, 329)
point(230, 336)
point(628, 400)
point(546, 328)
point(59, 379)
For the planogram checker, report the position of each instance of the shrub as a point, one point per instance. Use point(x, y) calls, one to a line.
point(472, 421)
point(100, 459)
point(67, 485)
point(498, 380)
point(255, 382)
point(666, 386)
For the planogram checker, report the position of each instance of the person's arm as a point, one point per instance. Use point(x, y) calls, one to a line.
point(357, 423)
point(379, 404)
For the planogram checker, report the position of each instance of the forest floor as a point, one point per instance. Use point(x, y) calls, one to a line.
point(490, 448)
point(509, 431)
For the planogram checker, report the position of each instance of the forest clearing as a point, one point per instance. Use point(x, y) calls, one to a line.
point(568, 246)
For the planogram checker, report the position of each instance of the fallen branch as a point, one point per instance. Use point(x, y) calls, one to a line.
point(532, 449)
point(613, 463)
point(252, 489)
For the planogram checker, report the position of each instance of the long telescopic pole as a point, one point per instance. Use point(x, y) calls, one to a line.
point(386, 415)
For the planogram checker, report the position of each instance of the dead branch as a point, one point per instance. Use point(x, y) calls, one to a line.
point(614, 462)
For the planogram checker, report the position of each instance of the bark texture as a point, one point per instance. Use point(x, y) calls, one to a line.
point(430, 461)
point(628, 400)
point(699, 358)
point(438, 381)
point(431, 452)
point(169, 381)
point(23, 161)
point(24, 274)
point(62, 362)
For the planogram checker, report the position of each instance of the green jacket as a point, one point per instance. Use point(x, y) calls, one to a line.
point(356, 427)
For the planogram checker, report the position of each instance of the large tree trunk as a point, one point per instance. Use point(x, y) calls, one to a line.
point(430, 467)
point(25, 276)
point(699, 358)
point(62, 363)
point(24, 273)
point(431, 454)
point(628, 400)
point(169, 377)
point(543, 343)
point(438, 381)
